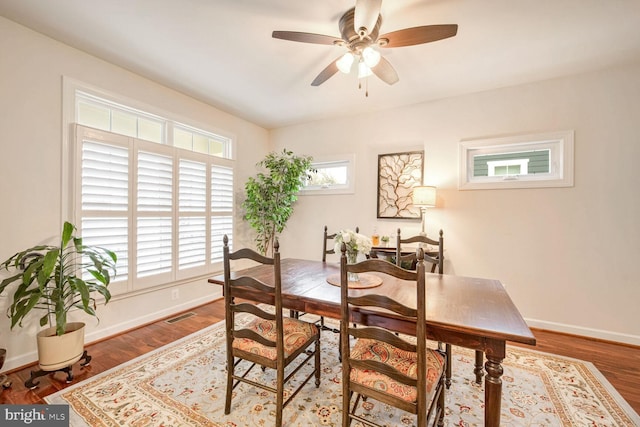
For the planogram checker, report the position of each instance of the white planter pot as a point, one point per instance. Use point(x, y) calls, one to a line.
point(56, 352)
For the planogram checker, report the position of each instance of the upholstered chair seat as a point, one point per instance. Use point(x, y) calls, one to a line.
point(405, 362)
point(296, 334)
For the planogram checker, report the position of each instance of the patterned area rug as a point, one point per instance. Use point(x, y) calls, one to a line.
point(183, 384)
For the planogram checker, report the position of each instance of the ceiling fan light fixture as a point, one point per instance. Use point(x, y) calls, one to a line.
point(370, 56)
point(344, 64)
point(363, 70)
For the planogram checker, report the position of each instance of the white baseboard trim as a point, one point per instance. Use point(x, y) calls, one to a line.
point(585, 332)
point(30, 357)
point(149, 318)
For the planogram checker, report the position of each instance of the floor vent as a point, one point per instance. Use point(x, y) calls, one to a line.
point(181, 317)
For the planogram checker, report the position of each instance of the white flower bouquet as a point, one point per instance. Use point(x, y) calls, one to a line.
point(355, 242)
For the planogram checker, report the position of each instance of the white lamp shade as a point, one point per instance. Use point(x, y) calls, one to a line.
point(424, 196)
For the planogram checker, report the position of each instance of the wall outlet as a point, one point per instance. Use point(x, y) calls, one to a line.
point(175, 294)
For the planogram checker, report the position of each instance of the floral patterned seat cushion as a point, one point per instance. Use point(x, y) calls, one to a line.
point(296, 334)
point(403, 361)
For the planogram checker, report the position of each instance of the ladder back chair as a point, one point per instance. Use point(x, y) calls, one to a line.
point(329, 249)
point(382, 365)
point(327, 243)
point(436, 261)
point(265, 338)
point(437, 264)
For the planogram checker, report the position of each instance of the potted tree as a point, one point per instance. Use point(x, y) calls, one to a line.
point(56, 280)
point(270, 195)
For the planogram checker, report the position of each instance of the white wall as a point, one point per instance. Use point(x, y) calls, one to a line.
point(31, 70)
point(568, 256)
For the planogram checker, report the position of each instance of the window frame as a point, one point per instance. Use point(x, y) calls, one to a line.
point(560, 144)
point(349, 188)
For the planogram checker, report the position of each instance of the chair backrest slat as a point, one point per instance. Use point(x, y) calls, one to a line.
point(249, 282)
point(246, 253)
point(374, 300)
point(382, 335)
point(254, 336)
point(253, 309)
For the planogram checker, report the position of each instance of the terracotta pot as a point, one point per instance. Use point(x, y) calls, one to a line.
point(56, 352)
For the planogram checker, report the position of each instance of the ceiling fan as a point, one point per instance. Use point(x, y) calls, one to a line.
point(359, 28)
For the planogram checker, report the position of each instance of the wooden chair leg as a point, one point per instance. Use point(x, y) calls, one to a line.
point(317, 361)
point(478, 370)
point(279, 396)
point(441, 403)
point(447, 381)
point(227, 402)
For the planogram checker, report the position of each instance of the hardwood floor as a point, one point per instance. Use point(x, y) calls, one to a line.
point(620, 364)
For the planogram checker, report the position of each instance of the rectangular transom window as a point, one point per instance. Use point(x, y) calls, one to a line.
point(525, 161)
point(332, 175)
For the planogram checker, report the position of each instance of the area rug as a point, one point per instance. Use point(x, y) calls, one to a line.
point(183, 384)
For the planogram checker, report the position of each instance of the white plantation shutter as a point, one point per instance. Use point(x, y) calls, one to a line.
point(104, 197)
point(221, 209)
point(105, 177)
point(192, 225)
point(161, 209)
point(192, 242)
point(154, 246)
point(155, 183)
point(192, 186)
point(221, 189)
point(220, 225)
point(154, 227)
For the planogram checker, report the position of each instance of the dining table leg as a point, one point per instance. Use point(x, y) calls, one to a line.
point(493, 391)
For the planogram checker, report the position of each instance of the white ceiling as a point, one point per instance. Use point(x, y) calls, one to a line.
point(222, 52)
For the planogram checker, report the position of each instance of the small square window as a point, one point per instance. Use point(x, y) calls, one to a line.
point(526, 161)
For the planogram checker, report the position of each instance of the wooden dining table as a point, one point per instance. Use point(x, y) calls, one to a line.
point(470, 312)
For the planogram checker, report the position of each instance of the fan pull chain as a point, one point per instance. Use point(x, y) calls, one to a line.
point(366, 83)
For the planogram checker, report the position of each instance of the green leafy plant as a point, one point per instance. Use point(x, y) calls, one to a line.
point(271, 195)
point(50, 278)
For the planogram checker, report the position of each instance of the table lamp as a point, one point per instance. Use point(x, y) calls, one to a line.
point(424, 197)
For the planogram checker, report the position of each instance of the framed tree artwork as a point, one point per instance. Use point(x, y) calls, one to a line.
point(398, 173)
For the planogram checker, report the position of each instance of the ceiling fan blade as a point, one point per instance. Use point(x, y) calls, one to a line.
point(366, 15)
point(385, 71)
point(324, 75)
point(296, 36)
point(418, 35)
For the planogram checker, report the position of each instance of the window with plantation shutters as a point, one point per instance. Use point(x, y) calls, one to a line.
point(162, 209)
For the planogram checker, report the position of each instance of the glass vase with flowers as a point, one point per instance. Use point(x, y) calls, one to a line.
point(355, 243)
